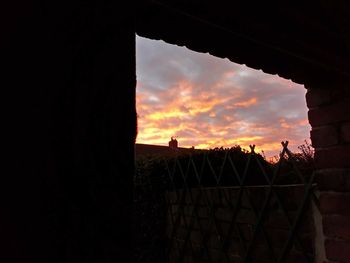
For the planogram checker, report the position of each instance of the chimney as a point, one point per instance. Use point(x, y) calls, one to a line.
point(173, 143)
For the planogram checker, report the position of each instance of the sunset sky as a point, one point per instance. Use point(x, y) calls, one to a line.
point(209, 102)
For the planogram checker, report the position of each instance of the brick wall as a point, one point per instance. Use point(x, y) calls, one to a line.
point(329, 116)
point(203, 218)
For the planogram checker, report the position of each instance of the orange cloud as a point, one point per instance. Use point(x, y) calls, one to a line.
point(172, 113)
point(246, 103)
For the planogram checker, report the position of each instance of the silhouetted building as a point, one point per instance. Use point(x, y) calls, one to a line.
point(162, 150)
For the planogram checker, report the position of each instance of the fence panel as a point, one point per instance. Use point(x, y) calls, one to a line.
point(250, 219)
point(228, 206)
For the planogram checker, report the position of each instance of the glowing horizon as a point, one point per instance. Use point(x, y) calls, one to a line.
point(208, 102)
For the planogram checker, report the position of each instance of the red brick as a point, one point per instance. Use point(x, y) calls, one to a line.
point(345, 132)
point(324, 136)
point(335, 112)
point(333, 179)
point(335, 226)
point(317, 97)
point(338, 157)
point(335, 203)
point(338, 250)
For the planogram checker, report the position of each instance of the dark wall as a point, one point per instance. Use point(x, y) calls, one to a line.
point(70, 126)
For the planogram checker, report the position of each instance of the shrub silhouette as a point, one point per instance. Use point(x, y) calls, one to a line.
point(209, 168)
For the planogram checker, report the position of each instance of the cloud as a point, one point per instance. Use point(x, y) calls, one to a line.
point(211, 102)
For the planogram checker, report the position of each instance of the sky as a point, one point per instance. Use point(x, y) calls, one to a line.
point(207, 102)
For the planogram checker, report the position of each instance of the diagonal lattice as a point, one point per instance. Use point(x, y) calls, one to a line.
point(226, 206)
